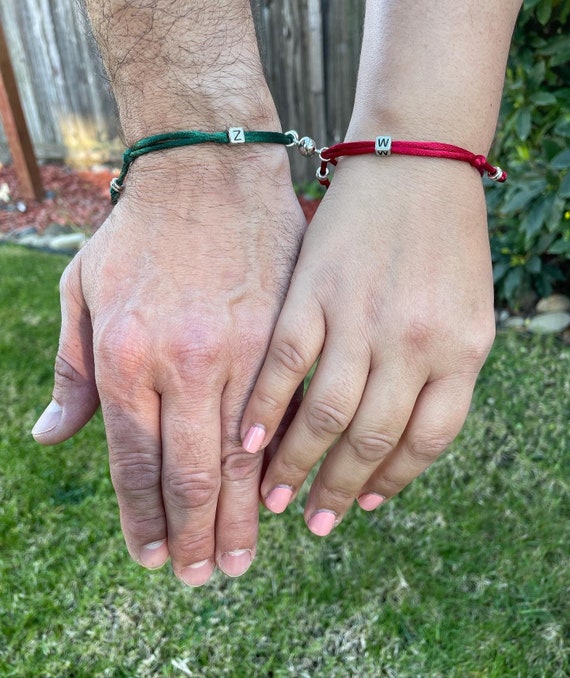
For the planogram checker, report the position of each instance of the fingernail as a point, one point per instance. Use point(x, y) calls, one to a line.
point(322, 522)
point(154, 555)
point(370, 501)
point(49, 419)
point(254, 438)
point(278, 499)
point(235, 563)
point(198, 573)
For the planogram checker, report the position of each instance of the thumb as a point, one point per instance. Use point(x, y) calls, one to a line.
point(75, 398)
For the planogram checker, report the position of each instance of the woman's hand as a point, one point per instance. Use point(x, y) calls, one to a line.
point(393, 295)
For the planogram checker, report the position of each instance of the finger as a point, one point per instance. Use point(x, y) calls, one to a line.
point(438, 416)
point(386, 406)
point(132, 424)
point(297, 341)
point(326, 411)
point(75, 398)
point(191, 442)
point(238, 504)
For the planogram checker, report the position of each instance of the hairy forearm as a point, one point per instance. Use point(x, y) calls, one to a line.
point(433, 70)
point(175, 64)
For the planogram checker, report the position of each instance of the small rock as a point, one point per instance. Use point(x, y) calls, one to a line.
point(4, 192)
point(33, 240)
point(549, 323)
point(556, 303)
point(503, 316)
point(20, 233)
point(515, 322)
point(58, 229)
point(21, 206)
point(71, 242)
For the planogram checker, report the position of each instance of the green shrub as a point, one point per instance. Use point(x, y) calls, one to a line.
point(529, 216)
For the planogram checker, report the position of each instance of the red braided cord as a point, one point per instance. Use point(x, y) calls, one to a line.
point(430, 149)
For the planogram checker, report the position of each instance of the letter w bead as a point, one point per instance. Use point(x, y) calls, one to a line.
point(383, 146)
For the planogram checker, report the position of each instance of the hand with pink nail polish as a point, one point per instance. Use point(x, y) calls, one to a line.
point(168, 310)
point(393, 291)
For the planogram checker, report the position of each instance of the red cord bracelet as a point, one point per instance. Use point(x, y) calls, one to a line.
point(384, 146)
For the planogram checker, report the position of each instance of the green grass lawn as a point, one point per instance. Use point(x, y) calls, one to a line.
point(465, 574)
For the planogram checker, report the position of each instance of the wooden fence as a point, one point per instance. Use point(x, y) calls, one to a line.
point(310, 49)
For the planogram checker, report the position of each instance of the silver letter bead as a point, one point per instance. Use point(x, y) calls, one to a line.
point(236, 135)
point(383, 146)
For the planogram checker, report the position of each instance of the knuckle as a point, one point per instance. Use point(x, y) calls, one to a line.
point(195, 353)
point(134, 475)
point(424, 448)
point(419, 333)
point(372, 446)
point(68, 281)
point(267, 401)
point(240, 467)
point(479, 345)
point(289, 358)
point(188, 489)
point(335, 496)
point(121, 349)
point(65, 373)
point(325, 418)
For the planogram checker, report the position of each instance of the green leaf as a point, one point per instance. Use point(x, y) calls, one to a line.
point(522, 197)
point(534, 264)
point(562, 128)
point(512, 283)
point(544, 11)
point(499, 270)
point(534, 219)
point(561, 246)
point(551, 148)
point(564, 190)
point(543, 99)
point(523, 123)
point(562, 160)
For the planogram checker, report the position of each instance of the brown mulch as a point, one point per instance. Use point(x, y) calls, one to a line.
point(74, 198)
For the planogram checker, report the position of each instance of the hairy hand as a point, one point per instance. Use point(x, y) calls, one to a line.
point(393, 293)
point(167, 314)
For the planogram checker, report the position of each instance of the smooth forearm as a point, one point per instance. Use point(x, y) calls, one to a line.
point(433, 70)
point(178, 65)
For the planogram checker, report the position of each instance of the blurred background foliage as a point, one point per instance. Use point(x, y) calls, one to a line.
point(529, 216)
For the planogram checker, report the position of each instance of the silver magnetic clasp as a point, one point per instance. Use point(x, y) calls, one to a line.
point(383, 146)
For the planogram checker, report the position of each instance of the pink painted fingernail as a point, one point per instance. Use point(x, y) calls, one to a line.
point(235, 563)
point(370, 501)
point(154, 555)
point(322, 522)
point(254, 438)
point(49, 419)
point(279, 497)
point(197, 573)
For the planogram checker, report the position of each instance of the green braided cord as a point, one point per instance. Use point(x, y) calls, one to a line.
point(161, 142)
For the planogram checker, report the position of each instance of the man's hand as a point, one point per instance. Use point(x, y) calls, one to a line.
point(167, 314)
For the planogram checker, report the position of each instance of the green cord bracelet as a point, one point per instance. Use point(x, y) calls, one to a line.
point(160, 142)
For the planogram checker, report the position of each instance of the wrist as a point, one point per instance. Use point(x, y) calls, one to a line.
point(419, 123)
point(208, 109)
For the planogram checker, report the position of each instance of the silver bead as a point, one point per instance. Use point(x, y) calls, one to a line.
point(307, 146)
